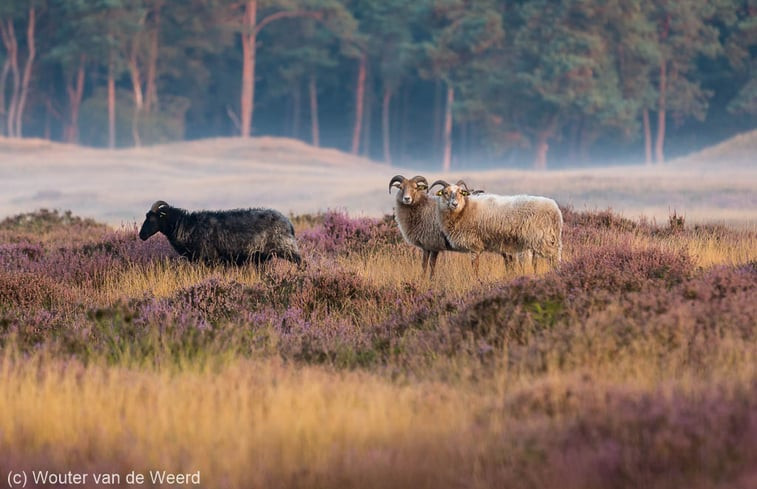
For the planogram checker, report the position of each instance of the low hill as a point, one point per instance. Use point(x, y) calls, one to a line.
point(740, 150)
point(118, 186)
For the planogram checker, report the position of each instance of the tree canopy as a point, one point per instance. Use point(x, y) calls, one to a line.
point(437, 83)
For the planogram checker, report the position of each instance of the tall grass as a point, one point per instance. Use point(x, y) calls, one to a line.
point(632, 365)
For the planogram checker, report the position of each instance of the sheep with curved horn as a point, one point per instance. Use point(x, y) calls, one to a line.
point(415, 214)
point(506, 225)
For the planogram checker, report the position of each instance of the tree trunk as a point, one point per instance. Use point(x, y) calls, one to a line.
point(574, 140)
point(359, 98)
point(661, 108)
point(662, 88)
point(111, 105)
point(367, 119)
point(11, 46)
point(31, 49)
point(151, 87)
point(296, 110)
point(47, 132)
point(250, 29)
point(542, 143)
point(437, 116)
point(542, 147)
point(587, 139)
point(385, 128)
point(447, 136)
point(136, 83)
point(647, 137)
point(249, 34)
point(75, 90)
point(3, 80)
point(403, 123)
point(314, 111)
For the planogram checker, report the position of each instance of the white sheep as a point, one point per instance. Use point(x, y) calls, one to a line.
point(508, 225)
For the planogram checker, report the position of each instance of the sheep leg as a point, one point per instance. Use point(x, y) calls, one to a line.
point(474, 262)
point(424, 262)
point(554, 259)
point(534, 262)
point(509, 260)
point(525, 256)
point(433, 255)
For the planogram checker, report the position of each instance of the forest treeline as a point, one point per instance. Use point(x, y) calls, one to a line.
point(447, 83)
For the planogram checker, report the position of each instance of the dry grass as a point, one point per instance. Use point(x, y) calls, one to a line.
point(258, 424)
point(243, 424)
point(164, 279)
point(602, 389)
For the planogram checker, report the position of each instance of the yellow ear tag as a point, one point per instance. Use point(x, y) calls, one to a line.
point(439, 193)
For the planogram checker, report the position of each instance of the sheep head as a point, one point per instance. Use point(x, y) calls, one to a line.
point(411, 190)
point(155, 220)
point(452, 197)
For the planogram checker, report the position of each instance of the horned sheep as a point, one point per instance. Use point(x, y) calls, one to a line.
point(415, 214)
point(508, 225)
point(233, 236)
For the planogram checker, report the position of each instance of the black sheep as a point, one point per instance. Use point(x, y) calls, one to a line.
point(235, 236)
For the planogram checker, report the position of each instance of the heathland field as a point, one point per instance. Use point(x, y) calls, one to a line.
point(632, 365)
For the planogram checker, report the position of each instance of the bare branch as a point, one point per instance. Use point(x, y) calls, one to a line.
point(284, 14)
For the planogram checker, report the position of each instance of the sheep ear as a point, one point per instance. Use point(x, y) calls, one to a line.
point(422, 186)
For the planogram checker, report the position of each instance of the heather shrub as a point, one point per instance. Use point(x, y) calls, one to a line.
point(630, 296)
point(605, 219)
point(660, 440)
point(27, 290)
point(83, 263)
point(627, 366)
point(32, 327)
point(216, 300)
point(298, 336)
point(125, 244)
point(324, 290)
point(340, 234)
point(144, 332)
point(20, 256)
point(45, 221)
point(516, 311)
point(624, 269)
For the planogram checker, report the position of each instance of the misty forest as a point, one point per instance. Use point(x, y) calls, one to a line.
point(445, 84)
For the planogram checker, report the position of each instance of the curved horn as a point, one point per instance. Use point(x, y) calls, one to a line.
point(421, 182)
point(461, 183)
point(395, 179)
point(158, 205)
point(438, 182)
